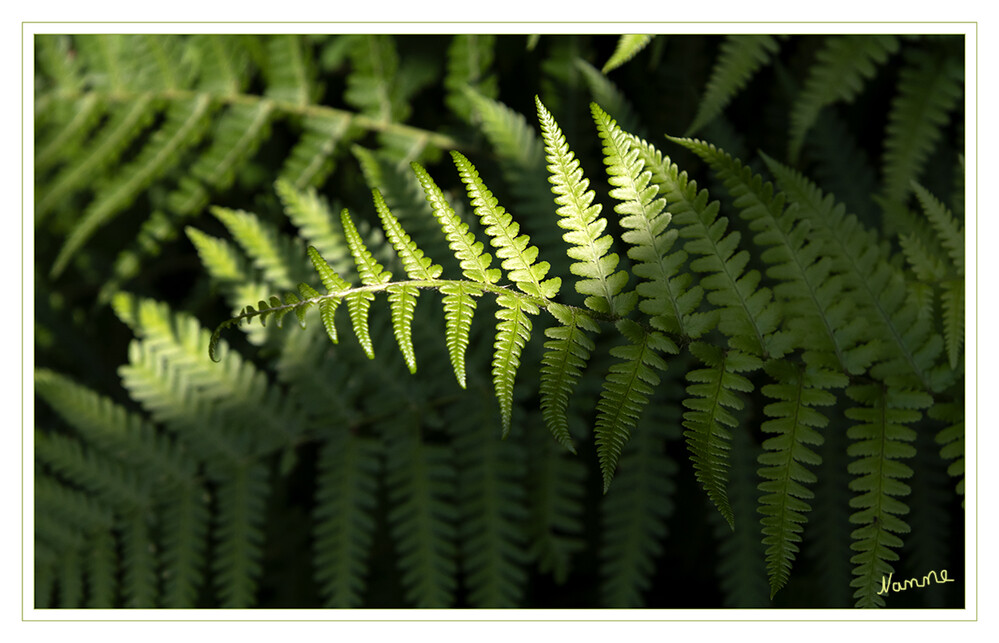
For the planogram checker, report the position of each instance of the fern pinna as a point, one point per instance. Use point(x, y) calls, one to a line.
point(629, 352)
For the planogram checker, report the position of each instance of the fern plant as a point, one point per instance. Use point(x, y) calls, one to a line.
point(609, 366)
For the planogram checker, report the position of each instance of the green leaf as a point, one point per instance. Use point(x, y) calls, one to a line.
point(512, 332)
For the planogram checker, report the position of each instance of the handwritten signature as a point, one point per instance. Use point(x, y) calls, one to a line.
point(886, 582)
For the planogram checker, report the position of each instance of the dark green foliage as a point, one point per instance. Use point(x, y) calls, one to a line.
point(608, 371)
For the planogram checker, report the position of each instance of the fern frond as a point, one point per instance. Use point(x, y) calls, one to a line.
point(946, 226)
point(879, 444)
point(345, 497)
point(711, 392)
point(492, 506)
point(568, 349)
point(372, 88)
point(139, 561)
point(311, 159)
point(469, 59)
point(627, 46)
point(645, 224)
point(459, 308)
point(513, 248)
point(272, 253)
point(513, 331)
point(951, 438)
point(581, 217)
point(185, 520)
point(468, 251)
point(421, 486)
point(186, 122)
point(794, 419)
point(838, 74)
point(609, 97)
point(289, 70)
point(929, 89)
point(635, 515)
point(372, 274)
point(748, 314)
point(312, 216)
point(238, 553)
point(625, 391)
point(739, 58)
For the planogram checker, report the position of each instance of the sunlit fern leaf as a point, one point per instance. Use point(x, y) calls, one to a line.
point(474, 263)
point(310, 161)
point(469, 61)
point(645, 227)
point(593, 266)
point(634, 517)
point(237, 556)
point(513, 248)
point(417, 266)
point(794, 420)
point(626, 391)
point(838, 74)
point(345, 497)
point(372, 274)
point(513, 330)
point(459, 308)
point(423, 518)
point(929, 89)
point(739, 58)
point(627, 46)
point(566, 354)
point(237, 135)
point(312, 216)
point(951, 438)
point(880, 441)
point(184, 126)
point(711, 392)
point(333, 283)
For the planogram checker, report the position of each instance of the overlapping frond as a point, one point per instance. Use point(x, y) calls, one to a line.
point(627, 46)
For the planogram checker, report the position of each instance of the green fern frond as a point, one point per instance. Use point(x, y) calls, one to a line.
point(185, 524)
point(468, 251)
point(422, 518)
point(513, 331)
point(739, 58)
point(950, 231)
point(345, 497)
point(185, 124)
point(310, 161)
point(139, 561)
point(609, 97)
point(580, 216)
point(567, 351)
point(459, 308)
point(951, 438)
point(645, 224)
point(794, 419)
point(372, 274)
point(237, 555)
point(312, 216)
point(627, 46)
point(372, 88)
point(748, 314)
point(711, 392)
point(635, 516)
point(289, 70)
point(469, 59)
point(513, 248)
point(272, 253)
point(879, 444)
point(236, 136)
point(929, 89)
point(625, 391)
point(838, 74)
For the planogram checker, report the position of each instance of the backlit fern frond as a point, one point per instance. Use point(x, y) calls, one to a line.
point(568, 350)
